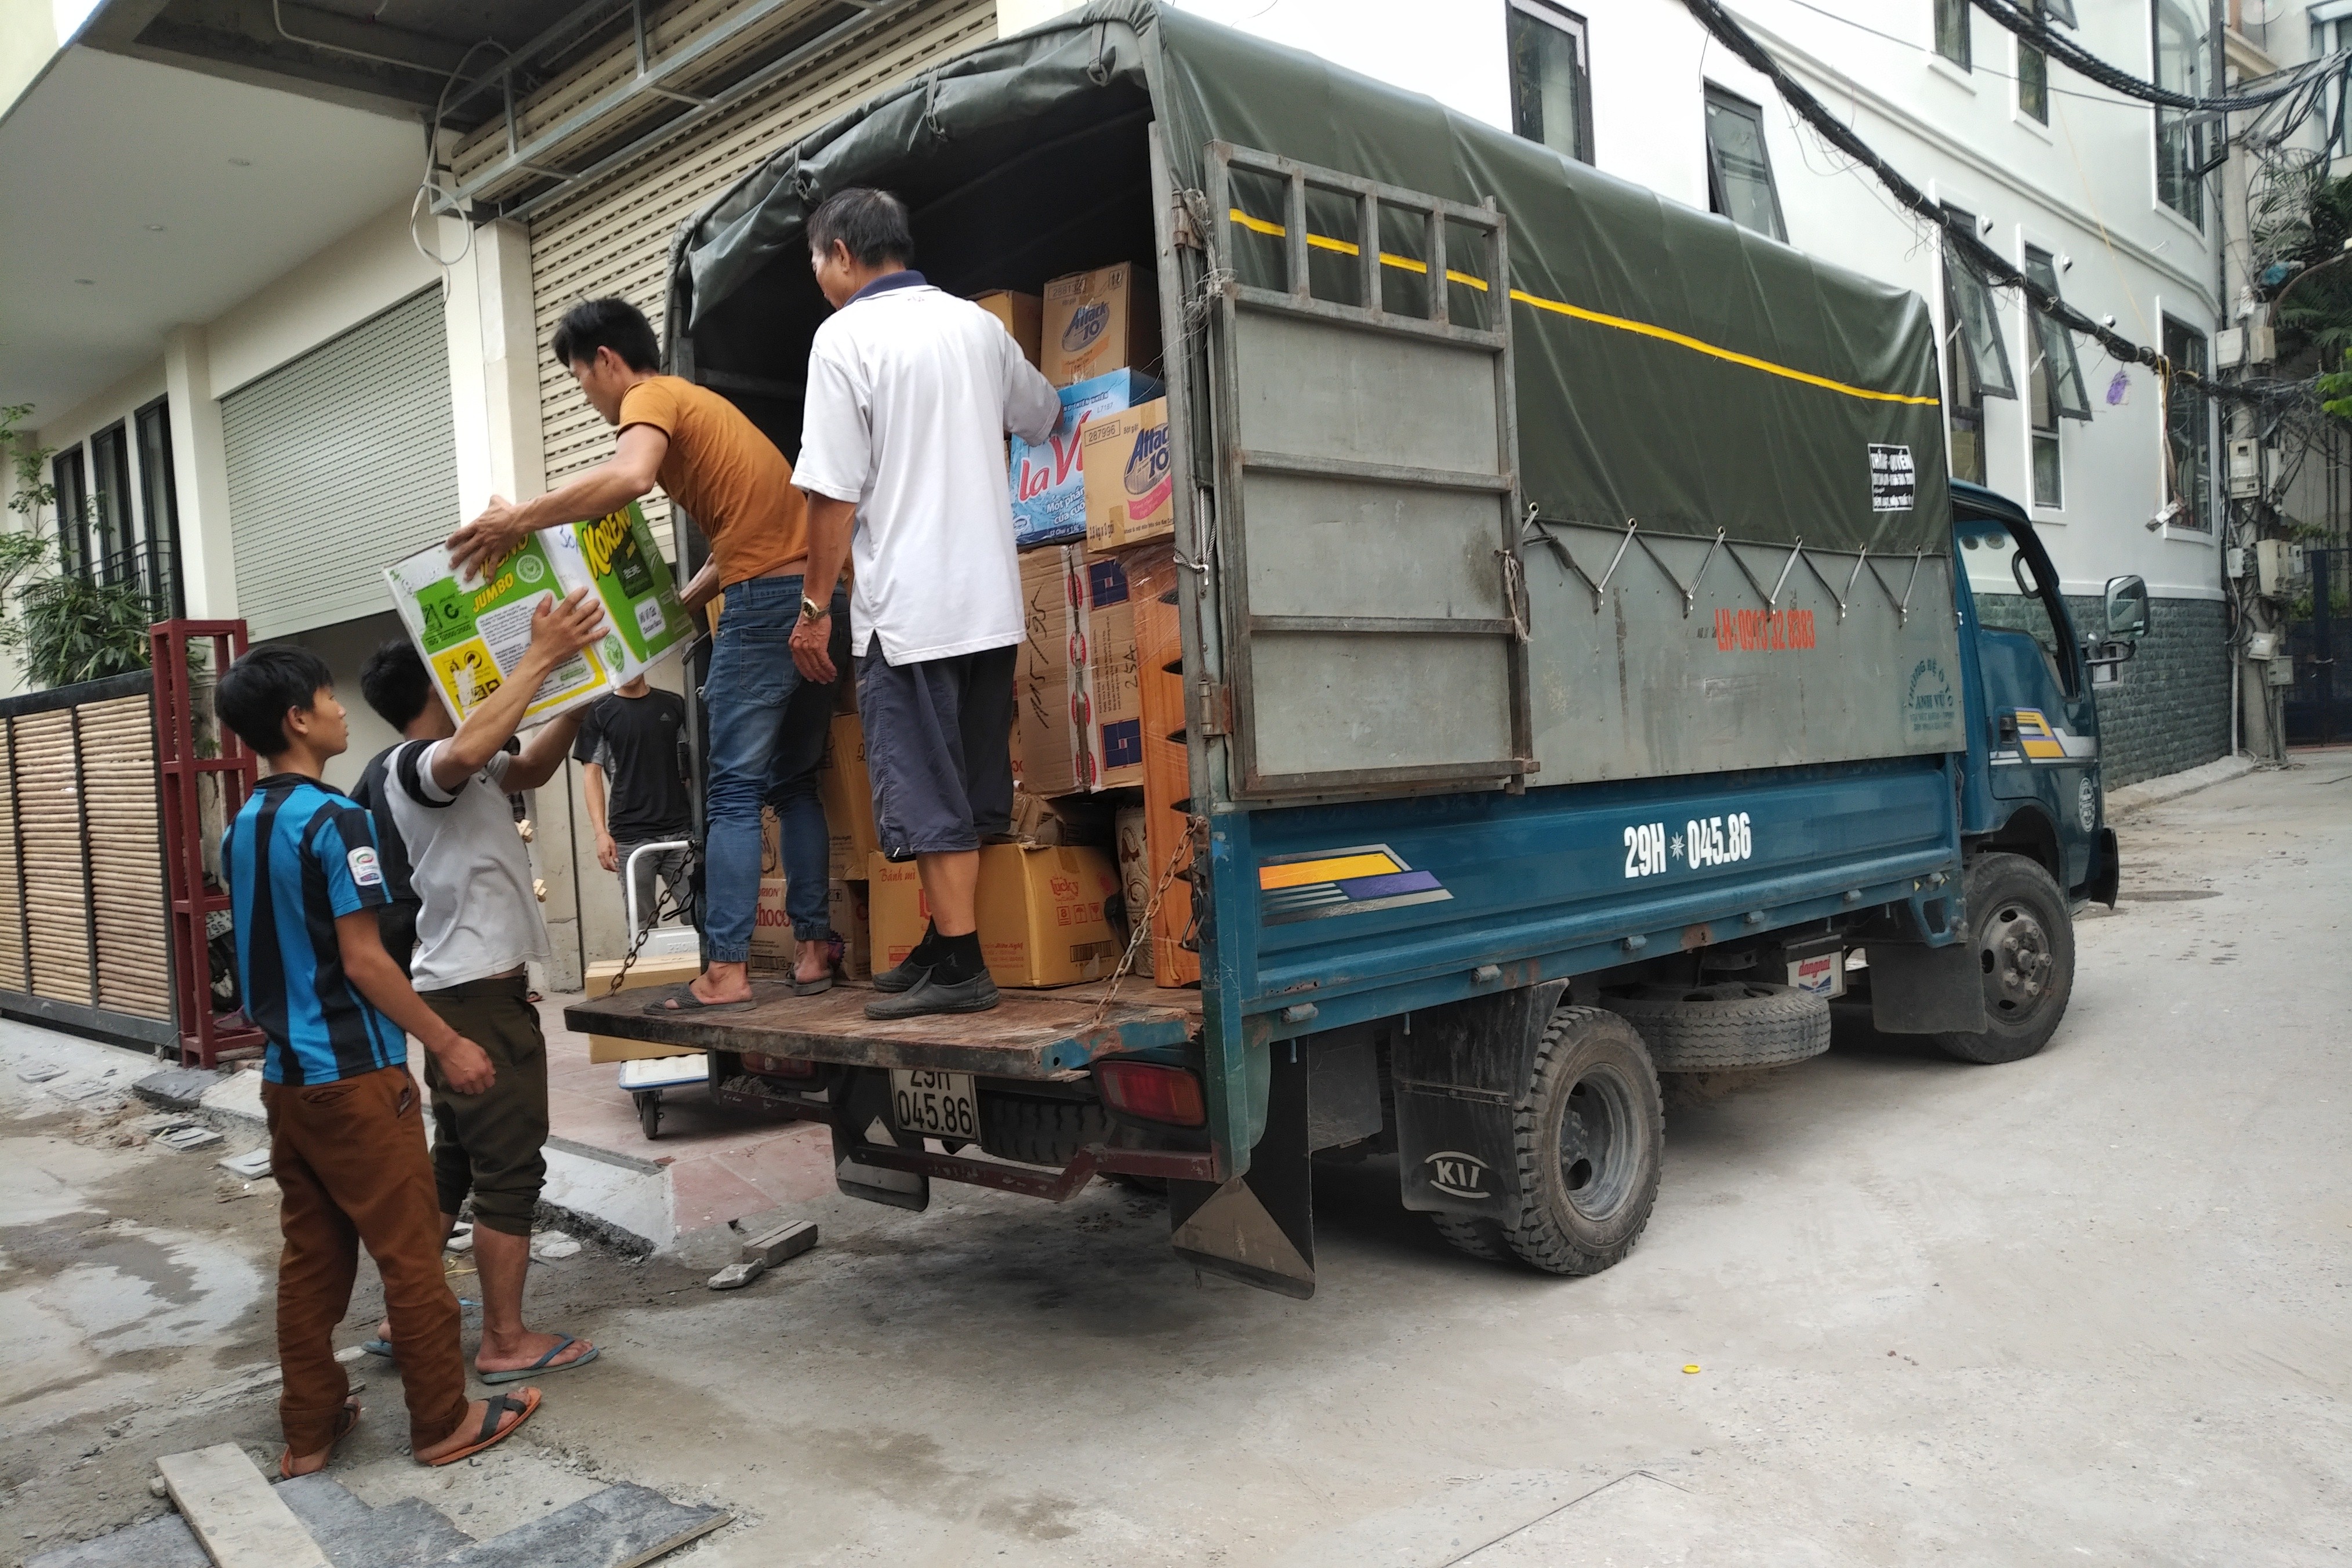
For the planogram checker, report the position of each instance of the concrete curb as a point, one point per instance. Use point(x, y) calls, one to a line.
point(2172, 787)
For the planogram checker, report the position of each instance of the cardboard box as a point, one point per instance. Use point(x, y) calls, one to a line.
point(1076, 684)
point(1130, 487)
point(772, 927)
point(1072, 819)
point(1023, 315)
point(653, 969)
point(1167, 766)
point(1049, 490)
point(852, 922)
point(847, 792)
point(1042, 920)
point(772, 843)
point(473, 632)
point(1101, 320)
point(1136, 877)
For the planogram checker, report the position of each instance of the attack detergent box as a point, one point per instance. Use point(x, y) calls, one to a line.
point(473, 630)
point(1049, 490)
point(1130, 488)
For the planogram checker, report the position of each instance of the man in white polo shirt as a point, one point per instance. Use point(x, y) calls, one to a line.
point(911, 392)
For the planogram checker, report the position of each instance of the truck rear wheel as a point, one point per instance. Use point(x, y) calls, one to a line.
point(1734, 1023)
point(2025, 947)
point(1590, 1136)
point(1039, 1132)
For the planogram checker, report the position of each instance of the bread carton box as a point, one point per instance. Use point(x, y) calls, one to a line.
point(473, 630)
point(1096, 321)
point(846, 791)
point(1021, 314)
point(1042, 915)
point(1130, 487)
point(772, 927)
point(1048, 481)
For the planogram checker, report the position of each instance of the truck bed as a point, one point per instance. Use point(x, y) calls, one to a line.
point(1032, 1035)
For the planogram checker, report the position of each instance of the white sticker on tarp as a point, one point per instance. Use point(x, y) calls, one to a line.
point(1894, 482)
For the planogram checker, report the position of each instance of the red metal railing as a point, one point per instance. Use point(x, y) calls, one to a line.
point(205, 1037)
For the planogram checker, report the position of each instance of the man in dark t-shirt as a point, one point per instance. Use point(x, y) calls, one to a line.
point(395, 918)
point(633, 747)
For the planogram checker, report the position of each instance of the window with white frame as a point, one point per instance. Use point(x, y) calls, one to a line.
point(2331, 33)
point(1953, 40)
point(2189, 431)
point(2033, 69)
point(1738, 169)
point(1551, 77)
point(2053, 381)
point(2182, 66)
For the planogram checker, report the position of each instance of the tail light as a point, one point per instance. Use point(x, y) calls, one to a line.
point(778, 1067)
point(1150, 1092)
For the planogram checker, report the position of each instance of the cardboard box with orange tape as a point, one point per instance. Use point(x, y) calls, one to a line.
point(1042, 920)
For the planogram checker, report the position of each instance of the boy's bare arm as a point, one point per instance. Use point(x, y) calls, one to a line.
point(465, 1066)
point(543, 755)
point(557, 632)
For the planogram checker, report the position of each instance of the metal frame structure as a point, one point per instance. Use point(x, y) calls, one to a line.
point(1236, 461)
point(203, 1037)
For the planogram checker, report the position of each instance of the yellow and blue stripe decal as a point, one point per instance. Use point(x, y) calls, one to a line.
point(1597, 318)
point(2040, 740)
point(1325, 883)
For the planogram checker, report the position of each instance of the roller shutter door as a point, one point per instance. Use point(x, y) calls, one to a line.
point(340, 463)
point(614, 239)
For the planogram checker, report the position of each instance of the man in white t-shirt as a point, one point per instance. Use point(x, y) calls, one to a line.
point(478, 926)
point(910, 394)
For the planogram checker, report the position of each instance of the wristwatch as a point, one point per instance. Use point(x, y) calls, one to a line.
point(814, 610)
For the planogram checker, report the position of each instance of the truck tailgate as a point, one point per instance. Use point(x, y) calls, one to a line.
point(1032, 1034)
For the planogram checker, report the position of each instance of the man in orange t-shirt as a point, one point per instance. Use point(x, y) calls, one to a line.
point(768, 722)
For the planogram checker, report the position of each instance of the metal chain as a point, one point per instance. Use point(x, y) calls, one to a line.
point(664, 905)
point(1140, 931)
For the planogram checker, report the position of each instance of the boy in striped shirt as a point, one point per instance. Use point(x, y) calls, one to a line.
point(346, 1132)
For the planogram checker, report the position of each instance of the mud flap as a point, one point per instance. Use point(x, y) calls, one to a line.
point(1927, 990)
point(861, 1101)
point(1459, 1071)
point(1259, 1228)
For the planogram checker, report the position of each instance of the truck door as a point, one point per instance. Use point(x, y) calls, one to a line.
point(1365, 540)
point(2037, 693)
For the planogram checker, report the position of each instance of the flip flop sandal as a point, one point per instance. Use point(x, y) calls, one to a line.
point(345, 1419)
point(491, 1434)
point(382, 1348)
point(544, 1364)
point(812, 987)
point(686, 1000)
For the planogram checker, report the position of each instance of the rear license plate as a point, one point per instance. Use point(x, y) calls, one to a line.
point(934, 1104)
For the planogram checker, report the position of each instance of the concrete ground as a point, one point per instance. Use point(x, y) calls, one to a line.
point(2088, 1307)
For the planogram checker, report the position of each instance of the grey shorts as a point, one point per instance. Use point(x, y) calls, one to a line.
point(938, 749)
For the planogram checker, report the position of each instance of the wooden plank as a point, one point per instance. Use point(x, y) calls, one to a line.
point(1030, 1034)
point(238, 1520)
point(1167, 769)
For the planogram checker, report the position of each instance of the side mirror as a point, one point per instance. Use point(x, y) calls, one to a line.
point(2127, 608)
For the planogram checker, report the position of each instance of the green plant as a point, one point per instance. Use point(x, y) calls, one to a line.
point(63, 627)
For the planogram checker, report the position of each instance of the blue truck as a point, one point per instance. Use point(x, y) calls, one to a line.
point(1589, 671)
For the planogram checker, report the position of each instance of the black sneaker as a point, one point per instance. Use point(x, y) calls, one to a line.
point(906, 977)
point(977, 995)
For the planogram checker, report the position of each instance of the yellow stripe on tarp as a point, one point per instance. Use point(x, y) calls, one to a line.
point(1305, 873)
point(1577, 312)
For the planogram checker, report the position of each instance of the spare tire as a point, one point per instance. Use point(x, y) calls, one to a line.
point(1039, 1132)
point(1726, 1024)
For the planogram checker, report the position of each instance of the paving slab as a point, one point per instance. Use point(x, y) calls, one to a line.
point(176, 1089)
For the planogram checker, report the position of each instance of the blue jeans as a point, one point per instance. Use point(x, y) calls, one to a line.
point(768, 729)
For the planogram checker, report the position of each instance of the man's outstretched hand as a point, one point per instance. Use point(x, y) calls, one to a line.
point(560, 629)
point(487, 540)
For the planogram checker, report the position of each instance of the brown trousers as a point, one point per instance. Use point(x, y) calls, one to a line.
point(351, 1165)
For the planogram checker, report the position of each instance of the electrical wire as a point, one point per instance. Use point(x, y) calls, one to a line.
point(1959, 236)
point(2035, 30)
point(427, 187)
point(1972, 67)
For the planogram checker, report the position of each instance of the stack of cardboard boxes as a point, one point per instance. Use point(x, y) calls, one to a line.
point(1098, 748)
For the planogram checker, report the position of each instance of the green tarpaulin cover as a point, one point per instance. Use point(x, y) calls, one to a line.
point(1671, 367)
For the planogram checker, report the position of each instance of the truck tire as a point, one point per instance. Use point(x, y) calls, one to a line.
point(1736, 1024)
point(2025, 945)
point(1589, 1135)
point(1039, 1132)
point(1478, 1237)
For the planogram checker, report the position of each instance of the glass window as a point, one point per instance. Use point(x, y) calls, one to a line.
point(2012, 596)
point(111, 526)
point(71, 475)
point(2188, 430)
point(1551, 79)
point(1952, 31)
point(2180, 66)
point(2032, 70)
point(160, 504)
point(1738, 169)
point(2327, 38)
point(2054, 382)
